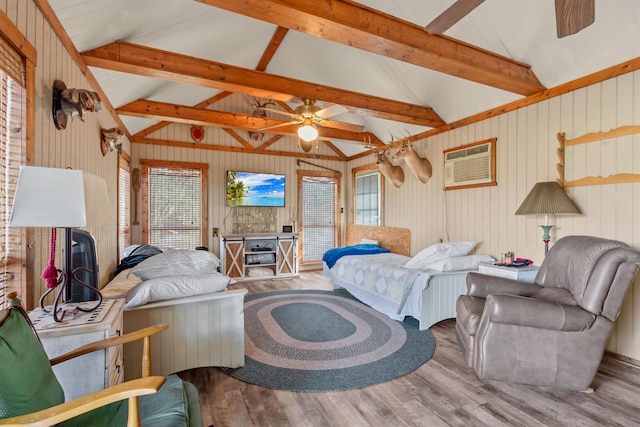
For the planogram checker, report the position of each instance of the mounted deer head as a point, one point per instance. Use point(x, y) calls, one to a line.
point(420, 167)
point(259, 112)
point(393, 173)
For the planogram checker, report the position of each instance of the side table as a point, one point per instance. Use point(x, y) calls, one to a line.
point(90, 372)
point(525, 274)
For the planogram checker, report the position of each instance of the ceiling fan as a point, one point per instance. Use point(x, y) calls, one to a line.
point(571, 16)
point(309, 115)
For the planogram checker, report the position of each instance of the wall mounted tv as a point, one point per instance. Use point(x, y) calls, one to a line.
point(254, 189)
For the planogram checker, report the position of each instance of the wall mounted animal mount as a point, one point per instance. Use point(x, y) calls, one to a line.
point(420, 167)
point(72, 102)
point(110, 140)
point(258, 110)
point(392, 172)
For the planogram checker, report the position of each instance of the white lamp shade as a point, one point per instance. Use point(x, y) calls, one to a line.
point(307, 132)
point(51, 197)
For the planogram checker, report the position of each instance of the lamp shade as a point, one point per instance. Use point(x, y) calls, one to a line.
point(547, 198)
point(51, 197)
point(307, 132)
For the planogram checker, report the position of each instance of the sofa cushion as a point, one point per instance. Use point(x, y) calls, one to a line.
point(169, 407)
point(23, 391)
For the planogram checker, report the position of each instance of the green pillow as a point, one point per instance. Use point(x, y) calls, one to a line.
point(27, 382)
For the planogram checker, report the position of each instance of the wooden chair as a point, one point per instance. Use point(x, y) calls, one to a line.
point(31, 395)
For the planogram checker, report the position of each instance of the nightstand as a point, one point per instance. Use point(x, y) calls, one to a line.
point(90, 372)
point(525, 274)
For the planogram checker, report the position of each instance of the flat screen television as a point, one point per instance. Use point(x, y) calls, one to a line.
point(254, 189)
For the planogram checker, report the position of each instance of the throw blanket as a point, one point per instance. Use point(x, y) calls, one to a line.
point(136, 256)
point(333, 255)
point(382, 275)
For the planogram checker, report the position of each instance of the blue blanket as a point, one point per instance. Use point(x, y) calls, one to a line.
point(334, 254)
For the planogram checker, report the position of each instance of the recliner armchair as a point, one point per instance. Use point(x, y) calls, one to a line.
point(552, 332)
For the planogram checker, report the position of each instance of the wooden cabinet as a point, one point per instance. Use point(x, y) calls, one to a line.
point(91, 372)
point(259, 256)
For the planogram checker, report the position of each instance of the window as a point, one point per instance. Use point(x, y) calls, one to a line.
point(124, 202)
point(174, 196)
point(17, 67)
point(368, 195)
point(319, 193)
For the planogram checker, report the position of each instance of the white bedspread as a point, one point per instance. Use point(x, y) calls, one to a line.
point(377, 279)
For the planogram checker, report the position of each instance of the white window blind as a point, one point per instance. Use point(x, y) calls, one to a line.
point(368, 199)
point(12, 143)
point(175, 202)
point(319, 198)
point(124, 203)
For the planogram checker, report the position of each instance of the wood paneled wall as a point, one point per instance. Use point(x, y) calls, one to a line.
point(76, 147)
point(526, 154)
point(221, 161)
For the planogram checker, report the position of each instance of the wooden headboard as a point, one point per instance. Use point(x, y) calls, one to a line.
point(397, 240)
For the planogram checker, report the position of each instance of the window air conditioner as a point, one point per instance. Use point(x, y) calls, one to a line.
point(470, 165)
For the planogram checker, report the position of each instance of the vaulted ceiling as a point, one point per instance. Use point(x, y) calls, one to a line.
point(173, 61)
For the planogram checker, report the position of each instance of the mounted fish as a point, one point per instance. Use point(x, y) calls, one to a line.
point(393, 173)
point(420, 167)
point(72, 102)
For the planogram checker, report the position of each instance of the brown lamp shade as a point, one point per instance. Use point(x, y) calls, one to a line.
point(547, 198)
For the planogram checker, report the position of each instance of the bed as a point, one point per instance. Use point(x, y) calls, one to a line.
point(205, 328)
point(380, 280)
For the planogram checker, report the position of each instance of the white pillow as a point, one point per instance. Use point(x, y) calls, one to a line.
point(370, 242)
point(260, 272)
point(437, 252)
point(177, 262)
point(166, 288)
point(468, 262)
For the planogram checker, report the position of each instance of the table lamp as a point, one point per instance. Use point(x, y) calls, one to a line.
point(547, 198)
point(61, 198)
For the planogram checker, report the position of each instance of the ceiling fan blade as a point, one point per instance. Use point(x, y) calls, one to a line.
point(273, 110)
point(453, 14)
point(331, 111)
point(278, 125)
point(573, 16)
point(341, 125)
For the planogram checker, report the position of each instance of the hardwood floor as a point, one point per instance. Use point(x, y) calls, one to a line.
point(442, 392)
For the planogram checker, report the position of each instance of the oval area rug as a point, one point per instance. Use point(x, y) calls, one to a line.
point(310, 341)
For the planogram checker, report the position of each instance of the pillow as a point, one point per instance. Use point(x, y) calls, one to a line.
point(165, 288)
point(437, 252)
point(260, 272)
point(370, 242)
point(467, 262)
point(177, 262)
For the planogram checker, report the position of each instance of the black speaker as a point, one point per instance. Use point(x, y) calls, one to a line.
point(287, 229)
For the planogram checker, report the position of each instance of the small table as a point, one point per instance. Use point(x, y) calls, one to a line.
point(525, 274)
point(91, 372)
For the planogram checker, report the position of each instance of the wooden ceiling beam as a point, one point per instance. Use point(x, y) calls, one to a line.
point(199, 116)
point(355, 25)
point(145, 61)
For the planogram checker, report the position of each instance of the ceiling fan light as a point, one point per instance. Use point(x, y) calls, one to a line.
point(305, 145)
point(307, 132)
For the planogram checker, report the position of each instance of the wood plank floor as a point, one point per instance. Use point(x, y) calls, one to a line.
point(442, 392)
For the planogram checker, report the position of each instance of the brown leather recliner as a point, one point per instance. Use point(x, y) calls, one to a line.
point(552, 332)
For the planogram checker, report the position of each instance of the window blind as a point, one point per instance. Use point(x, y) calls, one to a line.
point(12, 143)
point(124, 210)
point(318, 216)
point(175, 206)
point(368, 199)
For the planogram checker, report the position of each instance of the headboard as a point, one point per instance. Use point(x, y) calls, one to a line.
point(397, 240)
